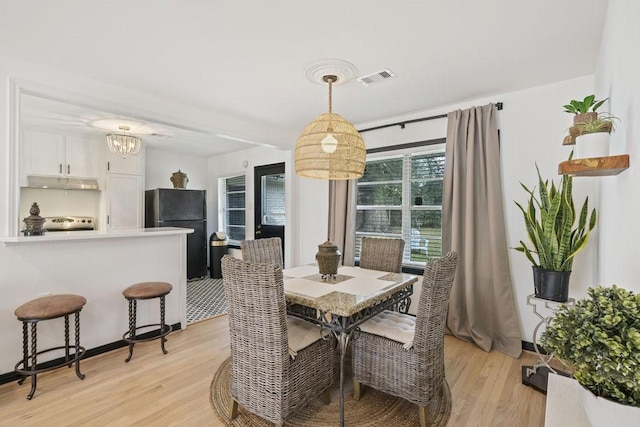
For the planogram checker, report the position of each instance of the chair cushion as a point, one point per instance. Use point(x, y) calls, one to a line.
point(393, 325)
point(301, 334)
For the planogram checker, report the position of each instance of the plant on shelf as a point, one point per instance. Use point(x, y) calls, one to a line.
point(550, 221)
point(599, 337)
point(603, 123)
point(589, 103)
point(591, 129)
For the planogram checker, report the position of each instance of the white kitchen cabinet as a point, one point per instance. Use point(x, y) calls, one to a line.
point(124, 198)
point(53, 154)
point(131, 165)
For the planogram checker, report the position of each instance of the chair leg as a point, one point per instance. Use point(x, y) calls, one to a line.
point(325, 396)
point(233, 411)
point(422, 413)
point(357, 390)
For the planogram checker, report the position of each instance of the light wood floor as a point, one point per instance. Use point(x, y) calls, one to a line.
point(173, 390)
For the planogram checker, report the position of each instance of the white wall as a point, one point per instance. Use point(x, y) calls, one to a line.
point(617, 78)
point(159, 165)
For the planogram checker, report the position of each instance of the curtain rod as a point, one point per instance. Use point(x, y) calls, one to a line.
point(403, 123)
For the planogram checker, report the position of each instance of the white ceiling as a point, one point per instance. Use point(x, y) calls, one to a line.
point(247, 59)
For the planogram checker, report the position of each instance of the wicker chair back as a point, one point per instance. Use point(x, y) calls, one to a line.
point(267, 250)
point(381, 254)
point(416, 374)
point(265, 380)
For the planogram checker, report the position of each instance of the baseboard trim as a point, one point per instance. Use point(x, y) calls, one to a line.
point(526, 345)
point(13, 376)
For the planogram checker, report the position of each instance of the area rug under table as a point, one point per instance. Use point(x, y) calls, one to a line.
point(374, 409)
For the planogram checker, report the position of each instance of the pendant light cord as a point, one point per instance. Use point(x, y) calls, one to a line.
point(330, 93)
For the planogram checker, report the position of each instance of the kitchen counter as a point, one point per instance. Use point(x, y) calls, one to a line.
point(55, 236)
point(97, 265)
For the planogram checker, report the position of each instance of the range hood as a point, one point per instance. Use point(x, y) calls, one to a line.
point(62, 183)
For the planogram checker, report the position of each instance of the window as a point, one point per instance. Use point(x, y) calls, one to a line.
point(401, 196)
point(231, 215)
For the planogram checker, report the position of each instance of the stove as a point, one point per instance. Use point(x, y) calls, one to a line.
point(69, 223)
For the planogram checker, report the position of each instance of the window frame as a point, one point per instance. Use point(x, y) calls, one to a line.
point(223, 208)
point(406, 152)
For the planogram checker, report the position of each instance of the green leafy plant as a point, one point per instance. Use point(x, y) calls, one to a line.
point(589, 103)
point(602, 123)
point(599, 337)
point(549, 218)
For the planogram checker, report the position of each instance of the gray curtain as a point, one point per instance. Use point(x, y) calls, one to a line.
point(342, 217)
point(482, 306)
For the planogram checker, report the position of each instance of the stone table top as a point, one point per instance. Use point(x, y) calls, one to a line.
point(352, 290)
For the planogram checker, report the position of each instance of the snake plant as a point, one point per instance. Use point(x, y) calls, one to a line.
point(549, 217)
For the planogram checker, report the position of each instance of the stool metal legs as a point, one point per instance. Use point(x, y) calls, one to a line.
point(163, 338)
point(78, 348)
point(131, 335)
point(27, 369)
point(133, 308)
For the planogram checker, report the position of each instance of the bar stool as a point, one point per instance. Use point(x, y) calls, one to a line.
point(45, 308)
point(142, 291)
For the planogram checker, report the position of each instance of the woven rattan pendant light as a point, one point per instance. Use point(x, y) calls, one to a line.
point(330, 147)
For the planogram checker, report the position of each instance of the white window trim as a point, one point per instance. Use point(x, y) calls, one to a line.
point(222, 204)
point(406, 155)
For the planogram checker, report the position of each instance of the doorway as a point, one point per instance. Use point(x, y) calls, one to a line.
point(269, 185)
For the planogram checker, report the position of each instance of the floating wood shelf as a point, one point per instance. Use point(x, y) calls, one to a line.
point(595, 166)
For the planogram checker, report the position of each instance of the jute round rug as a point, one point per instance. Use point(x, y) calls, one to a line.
point(374, 409)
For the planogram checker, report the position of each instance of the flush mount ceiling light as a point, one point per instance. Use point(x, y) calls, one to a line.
point(126, 145)
point(139, 128)
point(330, 147)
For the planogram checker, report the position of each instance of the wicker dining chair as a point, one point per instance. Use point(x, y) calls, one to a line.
point(411, 368)
point(267, 250)
point(382, 254)
point(269, 376)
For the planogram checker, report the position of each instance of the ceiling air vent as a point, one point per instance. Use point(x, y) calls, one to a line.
point(376, 77)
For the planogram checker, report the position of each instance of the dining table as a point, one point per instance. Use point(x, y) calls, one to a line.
point(339, 303)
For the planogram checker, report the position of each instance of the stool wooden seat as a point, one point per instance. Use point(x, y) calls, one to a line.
point(144, 291)
point(46, 308)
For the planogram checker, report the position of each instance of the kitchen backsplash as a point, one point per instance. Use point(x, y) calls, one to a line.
point(59, 203)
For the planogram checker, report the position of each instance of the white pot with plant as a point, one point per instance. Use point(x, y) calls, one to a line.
point(593, 140)
point(591, 129)
point(599, 338)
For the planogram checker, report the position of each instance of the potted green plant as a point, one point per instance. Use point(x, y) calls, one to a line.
point(583, 111)
point(592, 135)
point(599, 338)
point(550, 221)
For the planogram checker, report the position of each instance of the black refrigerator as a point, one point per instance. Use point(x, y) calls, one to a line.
point(168, 207)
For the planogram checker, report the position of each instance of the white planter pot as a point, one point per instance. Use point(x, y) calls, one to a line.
point(592, 145)
point(603, 412)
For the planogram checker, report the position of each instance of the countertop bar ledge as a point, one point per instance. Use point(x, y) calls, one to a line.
point(57, 236)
